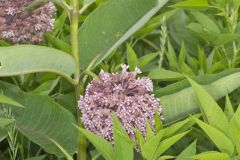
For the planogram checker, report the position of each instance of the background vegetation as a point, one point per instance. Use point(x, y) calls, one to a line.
point(190, 49)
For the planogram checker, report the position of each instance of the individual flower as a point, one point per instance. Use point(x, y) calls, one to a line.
point(128, 97)
point(18, 25)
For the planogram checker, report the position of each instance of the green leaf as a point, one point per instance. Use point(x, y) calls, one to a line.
point(87, 2)
point(150, 146)
point(167, 143)
point(171, 56)
point(42, 119)
point(4, 43)
point(102, 145)
point(131, 58)
point(46, 87)
point(140, 138)
point(235, 127)
point(3, 134)
point(188, 152)
point(154, 23)
point(37, 158)
point(179, 99)
point(211, 156)
point(58, 43)
point(161, 74)
point(229, 112)
point(123, 147)
point(202, 59)
point(206, 22)
point(179, 127)
point(68, 157)
point(157, 122)
point(211, 110)
point(144, 60)
point(9, 101)
point(149, 131)
point(111, 24)
point(191, 4)
point(5, 122)
point(23, 59)
point(223, 143)
point(224, 38)
point(182, 55)
point(166, 157)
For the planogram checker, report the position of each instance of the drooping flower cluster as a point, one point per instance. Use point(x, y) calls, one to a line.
point(130, 99)
point(18, 25)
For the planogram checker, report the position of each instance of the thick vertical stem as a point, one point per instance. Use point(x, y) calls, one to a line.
point(82, 144)
point(74, 35)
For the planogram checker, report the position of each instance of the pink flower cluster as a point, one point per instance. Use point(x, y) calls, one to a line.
point(19, 26)
point(128, 97)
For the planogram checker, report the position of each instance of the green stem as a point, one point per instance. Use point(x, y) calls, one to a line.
point(82, 144)
point(22, 147)
point(74, 36)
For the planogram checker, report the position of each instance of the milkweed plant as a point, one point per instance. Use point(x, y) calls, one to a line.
point(119, 79)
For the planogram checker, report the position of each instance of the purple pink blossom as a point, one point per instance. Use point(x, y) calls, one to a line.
point(22, 26)
point(128, 97)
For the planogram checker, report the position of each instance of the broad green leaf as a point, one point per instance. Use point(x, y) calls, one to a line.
point(179, 99)
point(144, 60)
point(150, 146)
point(9, 101)
point(167, 143)
point(131, 58)
point(188, 152)
point(68, 157)
point(123, 147)
point(111, 24)
point(5, 122)
point(191, 4)
point(41, 119)
point(229, 112)
point(211, 156)
point(23, 59)
point(102, 145)
point(37, 158)
point(222, 142)
point(161, 74)
point(211, 110)
point(206, 22)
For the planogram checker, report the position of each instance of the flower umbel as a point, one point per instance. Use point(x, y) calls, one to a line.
point(19, 26)
point(130, 99)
